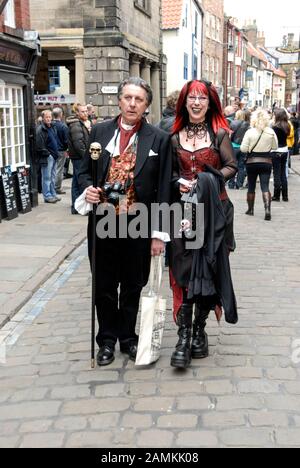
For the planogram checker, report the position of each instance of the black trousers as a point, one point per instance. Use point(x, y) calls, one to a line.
point(122, 270)
point(263, 170)
point(279, 169)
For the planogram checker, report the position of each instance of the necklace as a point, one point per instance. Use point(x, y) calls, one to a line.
point(196, 131)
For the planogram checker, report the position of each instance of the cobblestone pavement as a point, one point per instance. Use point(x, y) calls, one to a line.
point(245, 394)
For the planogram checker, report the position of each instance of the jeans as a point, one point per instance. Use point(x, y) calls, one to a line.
point(238, 181)
point(75, 183)
point(60, 170)
point(48, 178)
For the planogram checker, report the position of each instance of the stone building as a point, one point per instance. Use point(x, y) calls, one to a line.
point(99, 43)
point(19, 51)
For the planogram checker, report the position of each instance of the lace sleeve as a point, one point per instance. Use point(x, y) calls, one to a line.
point(229, 164)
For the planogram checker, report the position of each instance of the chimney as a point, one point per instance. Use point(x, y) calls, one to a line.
point(261, 40)
point(290, 39)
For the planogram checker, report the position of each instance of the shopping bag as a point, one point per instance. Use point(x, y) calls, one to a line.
point(153, 316)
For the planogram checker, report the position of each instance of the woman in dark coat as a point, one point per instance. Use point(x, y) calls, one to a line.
point(201, 143)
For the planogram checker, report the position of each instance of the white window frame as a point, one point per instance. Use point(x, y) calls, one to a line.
point(10, 14)
point(15, 152)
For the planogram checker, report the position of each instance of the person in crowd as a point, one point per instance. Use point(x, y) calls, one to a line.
point(62, 142)
point(79, 127)
point(201, 148)
point(296, 124)
point(169, 113)
point(257, 144)
point(137, 157)
point(92, 117)
point(48, 154)
point(290, 143)
point(229, 113)
point(282, 129)
point(239, 127)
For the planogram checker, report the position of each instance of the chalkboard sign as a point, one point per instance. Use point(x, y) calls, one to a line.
point(9, 193)
point(23, 189)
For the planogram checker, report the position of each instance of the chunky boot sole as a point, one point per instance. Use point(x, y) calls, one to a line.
point(199, 355)
point(180, 363)
point(250, 213)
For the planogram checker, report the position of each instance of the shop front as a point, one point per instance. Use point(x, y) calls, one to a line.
point(18, 165)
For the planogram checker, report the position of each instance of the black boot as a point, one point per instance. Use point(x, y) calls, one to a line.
point(200, 339)
point(276, 196)
point(250, 201)
point(267, 203)
point(181, 358)
point(285, 195)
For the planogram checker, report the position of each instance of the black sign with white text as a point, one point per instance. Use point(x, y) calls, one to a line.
point(9, 193)
point(23, 186)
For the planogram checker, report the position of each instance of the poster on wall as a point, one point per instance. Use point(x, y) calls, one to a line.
point(23, 189)
point(9, 193)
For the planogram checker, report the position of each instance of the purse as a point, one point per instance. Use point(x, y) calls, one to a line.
point(153, 316)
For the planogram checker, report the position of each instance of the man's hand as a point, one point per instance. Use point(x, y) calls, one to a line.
point(93, 195)
point(157, 247)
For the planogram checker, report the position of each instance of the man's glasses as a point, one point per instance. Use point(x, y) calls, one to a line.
point(201, 99)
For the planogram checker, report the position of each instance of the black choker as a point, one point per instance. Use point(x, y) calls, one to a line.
point(196, 131)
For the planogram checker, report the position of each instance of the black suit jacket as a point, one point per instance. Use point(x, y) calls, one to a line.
point(152, 175)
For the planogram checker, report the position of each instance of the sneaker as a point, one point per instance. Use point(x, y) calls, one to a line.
point(51, 200)
point(57, 199)
point(61, 192)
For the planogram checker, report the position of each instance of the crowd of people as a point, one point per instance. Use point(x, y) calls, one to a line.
point(191, 157)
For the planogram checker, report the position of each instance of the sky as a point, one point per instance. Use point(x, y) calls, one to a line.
point(274, 17)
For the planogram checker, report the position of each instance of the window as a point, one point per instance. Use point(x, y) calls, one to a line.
point(186, 67)
point(144, 6)
point(217, 69)
point(9, 14)
point(196, 24)
point(54, 78)
point(186, 16)
point(12, 141)
point(207, 24)
point(213, 26)
point(230, 74)
point(195, 68)
point(212, 70)
point(218, 30)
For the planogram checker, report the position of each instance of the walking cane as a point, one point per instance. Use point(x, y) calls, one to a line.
point(95, 151)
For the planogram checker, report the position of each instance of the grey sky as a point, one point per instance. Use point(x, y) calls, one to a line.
point(273, 17)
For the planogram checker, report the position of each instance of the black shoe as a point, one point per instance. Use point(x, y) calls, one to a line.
point(105, 356)
point(74, 212)
point(130, 349)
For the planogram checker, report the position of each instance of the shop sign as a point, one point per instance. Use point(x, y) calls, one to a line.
point(12, 57)
point(54, 99)
point(23, 189)
point(9, 193)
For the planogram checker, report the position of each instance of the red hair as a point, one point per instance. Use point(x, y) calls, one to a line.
point(214, 115)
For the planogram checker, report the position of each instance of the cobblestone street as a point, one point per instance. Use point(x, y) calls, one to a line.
point(245, 394)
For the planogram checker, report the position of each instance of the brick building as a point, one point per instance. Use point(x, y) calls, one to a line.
point(18, 60)
point(213, 43)
point(98, 43)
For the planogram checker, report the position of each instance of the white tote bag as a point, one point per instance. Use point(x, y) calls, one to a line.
point(153, 316)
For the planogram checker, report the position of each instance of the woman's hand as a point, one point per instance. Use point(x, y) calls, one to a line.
point(93, 195)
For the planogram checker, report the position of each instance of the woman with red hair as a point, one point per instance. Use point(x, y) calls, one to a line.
point(201, 143)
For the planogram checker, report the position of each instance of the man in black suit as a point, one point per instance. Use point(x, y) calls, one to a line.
point(138, 156)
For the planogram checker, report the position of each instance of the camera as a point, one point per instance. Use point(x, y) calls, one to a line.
point(113, 192)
